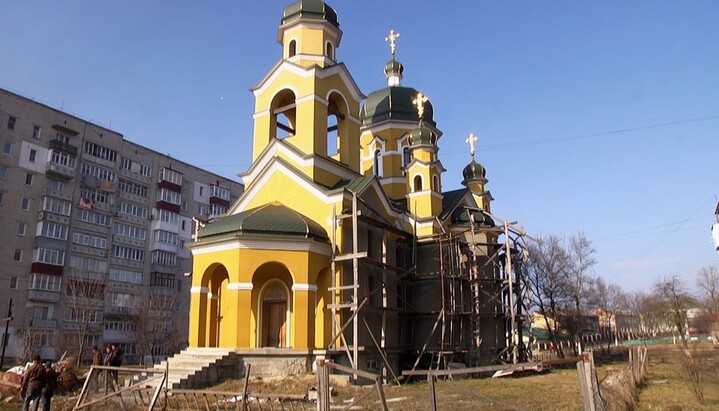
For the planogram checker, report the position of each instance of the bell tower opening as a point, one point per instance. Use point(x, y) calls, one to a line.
point(336, 124)
point(292, 48)
point(284, 115)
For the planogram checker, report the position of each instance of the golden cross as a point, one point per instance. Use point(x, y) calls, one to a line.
point(470, 140)
point(393, 36)
point(419, 103)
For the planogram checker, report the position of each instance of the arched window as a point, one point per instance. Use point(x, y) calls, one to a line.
point(417, 183)
point(329, 51)
point(292, 48)
point(435, 183)
point(406, 156)
point(377, 167)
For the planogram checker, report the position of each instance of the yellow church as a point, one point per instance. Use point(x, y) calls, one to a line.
point(344, 245)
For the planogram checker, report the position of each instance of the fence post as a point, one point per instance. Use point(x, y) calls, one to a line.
point(323, 387)
point(598, 403)
point(244, 389)
point(583, 387)
point(431, 378)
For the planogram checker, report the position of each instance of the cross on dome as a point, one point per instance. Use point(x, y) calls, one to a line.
point(470, 140)
point(392, 38)
point(418, 102)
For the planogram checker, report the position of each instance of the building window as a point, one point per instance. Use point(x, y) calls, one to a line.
point(99, 151)
point(45, 282)
point(377, 167)
point(7, 148)
point(435, 184)
point(62, 138)
point(167, 174)
point(21, 229)
point(418, 183)
point(185, 186)
point(33, 153)
point(18, 255)
point(3, 172)
point(50, 256)
point(128, 253)
point(11, 122)
point(25, 203)
point(329, 51)
point(36, 131)
point(163, 280)
point(292, 48)
point(184, 206)
point(28, 179)
point(406, 156)
point(13, 283)
point(125, 276)
point(2, 194)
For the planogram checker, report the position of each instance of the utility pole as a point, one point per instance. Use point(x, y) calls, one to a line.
point(6, 320)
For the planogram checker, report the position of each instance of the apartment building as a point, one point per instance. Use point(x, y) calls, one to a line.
point(92, 235)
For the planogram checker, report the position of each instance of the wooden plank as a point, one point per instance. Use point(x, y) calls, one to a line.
point(244, 389)
point(431, 379)
point(284, 108)
point(351, 256)
point(343, 287)
point(583, 388)
point(474, 370)
point(380, 392)
point(359, 373)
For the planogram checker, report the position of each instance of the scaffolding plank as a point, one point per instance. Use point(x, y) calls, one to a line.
point(350, 256)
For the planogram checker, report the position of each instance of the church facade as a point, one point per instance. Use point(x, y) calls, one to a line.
point(344, 244)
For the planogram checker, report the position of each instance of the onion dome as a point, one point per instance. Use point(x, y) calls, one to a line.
point(422, 136)
point(393, 67)
point(394, 103)
point(310, 9)
point(474, 172)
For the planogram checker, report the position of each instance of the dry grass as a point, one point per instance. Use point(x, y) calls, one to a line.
point(667, 387)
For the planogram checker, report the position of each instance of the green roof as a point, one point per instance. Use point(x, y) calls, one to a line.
point(269, 220)
point(310, 9)
point(394, 103)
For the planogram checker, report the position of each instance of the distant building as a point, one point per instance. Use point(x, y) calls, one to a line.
point(92, 234)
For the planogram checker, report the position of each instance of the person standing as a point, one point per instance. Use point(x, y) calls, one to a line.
point(50, 386)
point(96, 361)
point(32, 383)
point(106, 362)
point(115, 360)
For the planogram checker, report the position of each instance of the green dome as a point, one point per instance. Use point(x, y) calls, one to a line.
point(394, 103)
point(274, 220)
point(422, 136)
point(474, 171)
point(393, 67)
point(461, 217)
point(310, 9)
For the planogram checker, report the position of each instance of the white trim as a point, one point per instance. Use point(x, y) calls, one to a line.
point(423, 192)
point(199, 290)
point(310, 57)
point(311, 97)
point(314, 71)
point(278, 167)
point(390, 125)
point(279, 245)
point(239, 286)
point(393, 180)
point(304, 287)
point(294, 26)
point(278, 146)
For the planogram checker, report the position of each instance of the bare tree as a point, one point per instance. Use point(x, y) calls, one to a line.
point(608, 298)
point(708, 283)
point(580, 277)
point(158, 326)
point(676, 300)
point(547, 266)
point(84, 304)
point(650, 311)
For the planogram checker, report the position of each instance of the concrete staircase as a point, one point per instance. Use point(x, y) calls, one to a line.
point(200, 367)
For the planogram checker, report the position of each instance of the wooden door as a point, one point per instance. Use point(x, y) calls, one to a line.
point(274, 323)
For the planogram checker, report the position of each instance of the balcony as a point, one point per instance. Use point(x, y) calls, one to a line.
point(41, 295)
point(47, 323)
point(60, 171)
point(64, 147)
point(120, 310)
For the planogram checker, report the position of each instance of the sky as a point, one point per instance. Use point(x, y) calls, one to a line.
point(593, 117)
